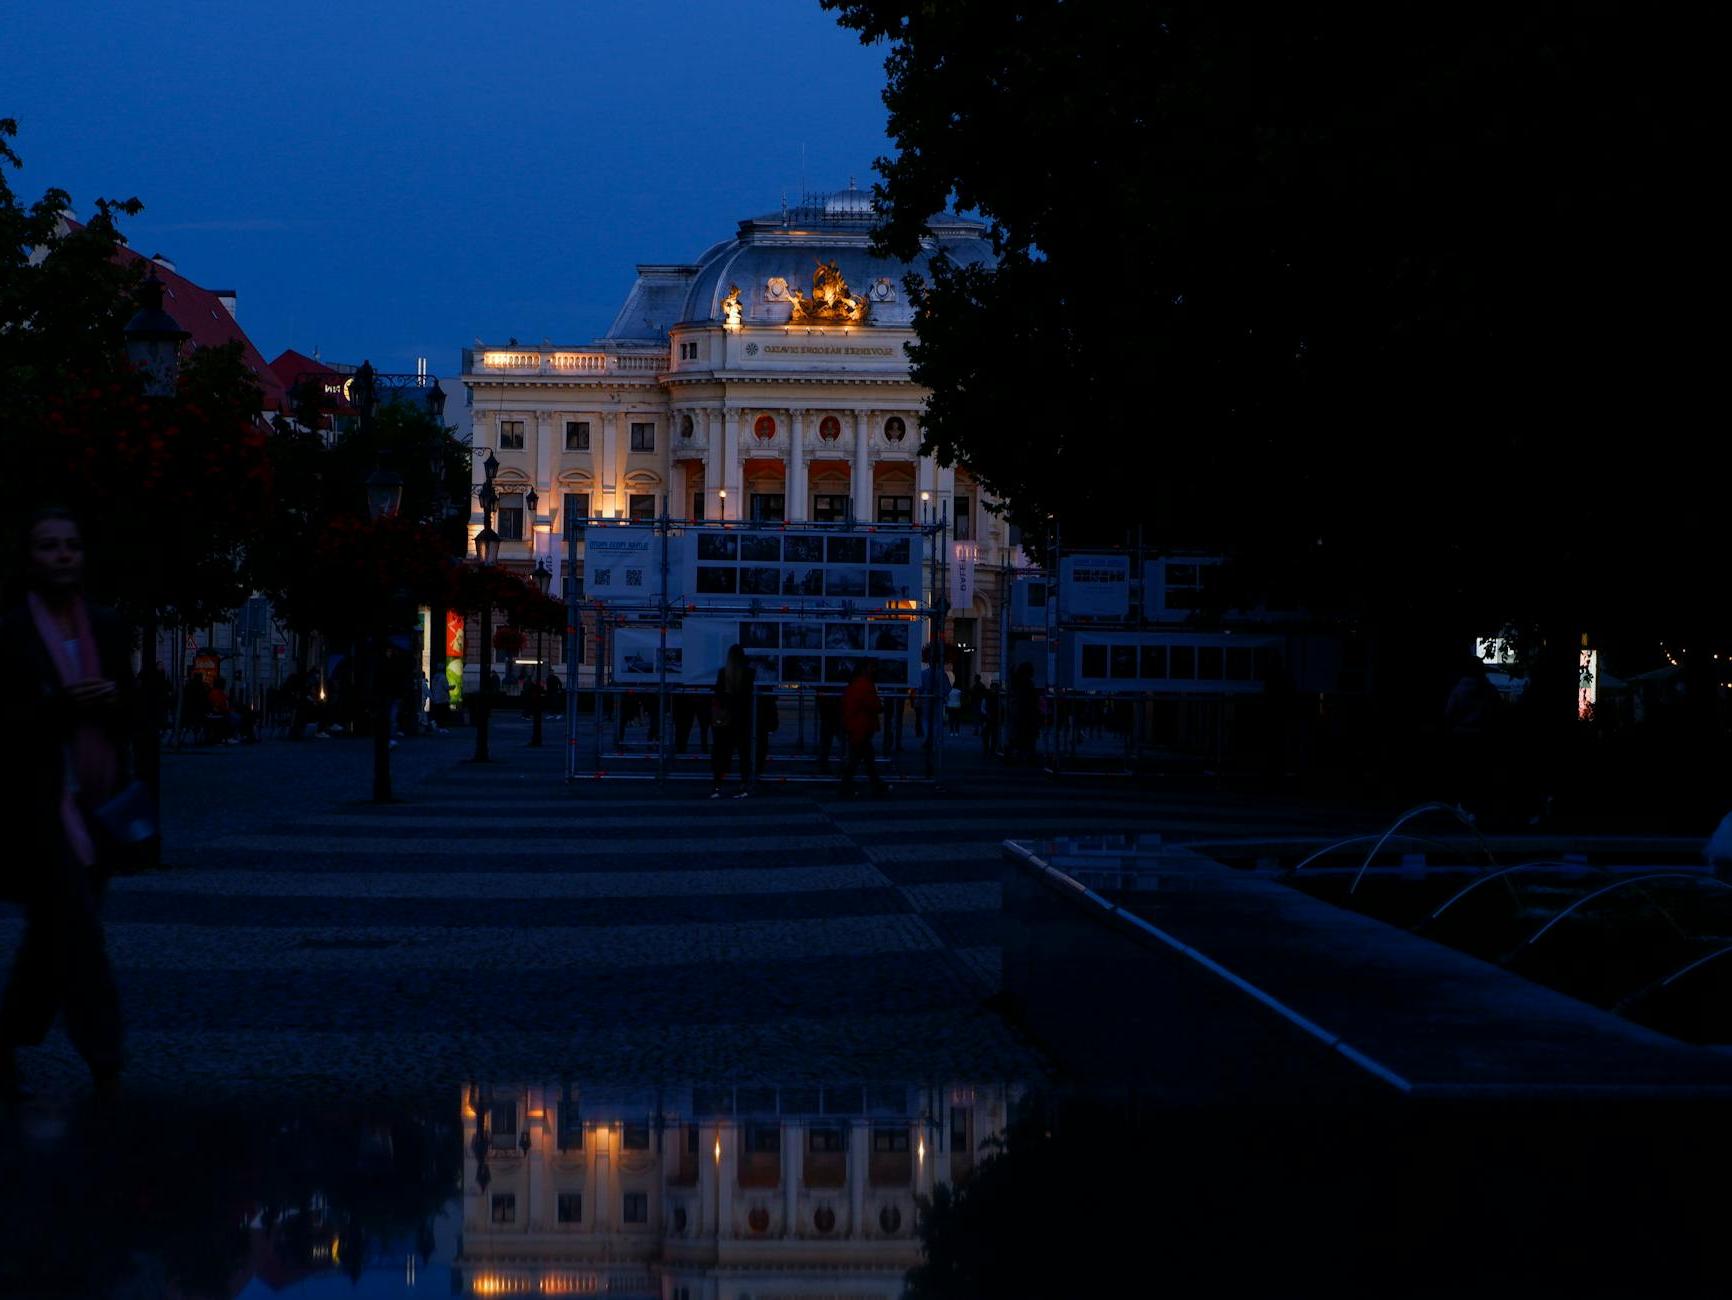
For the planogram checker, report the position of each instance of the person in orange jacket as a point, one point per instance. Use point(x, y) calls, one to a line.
point(860, 710)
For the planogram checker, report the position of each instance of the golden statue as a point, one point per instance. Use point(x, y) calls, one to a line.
point(732, 312)
point(830, 303)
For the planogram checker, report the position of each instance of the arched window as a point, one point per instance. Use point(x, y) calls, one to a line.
point(765, 428)
point(830, 428)
point(686, 426)
point(895, 430)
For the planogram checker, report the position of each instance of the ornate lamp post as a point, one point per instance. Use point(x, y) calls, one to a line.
point(384, 499)
point(486, 551)
point(153, 343)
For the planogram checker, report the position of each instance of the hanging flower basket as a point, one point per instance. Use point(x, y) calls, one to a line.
point(508, 640)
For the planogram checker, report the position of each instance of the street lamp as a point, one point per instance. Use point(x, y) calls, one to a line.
point(384, 498)
point(543, 580)
point(487, 552)
point(153, 343)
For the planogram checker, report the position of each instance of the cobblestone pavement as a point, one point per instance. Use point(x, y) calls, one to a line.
point(496, 922)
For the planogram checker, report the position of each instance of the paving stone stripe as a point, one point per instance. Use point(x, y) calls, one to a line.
point(624, 849)
point(472, 885)
point(535, 858)
point(561, 829)
point(941, 1047)
point(525, 998)
point(955, 896)
point(171, 907)
point(243, 949)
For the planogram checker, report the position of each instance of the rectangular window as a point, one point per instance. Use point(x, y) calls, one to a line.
point(643, 437)
point(511, 435)
point(1209, 663)
point(570, 1128)
point(962, 518)
point(1182, 663)
point(959, 1128)
point(634, 1137)
point(825, 1138)
point(502, 1119)
point(511, 523)
point(576, 509)
point(637, 1207)
point(691, 1139)
point(768, 507)
point(577, 435)
point(698, 507)
point(895, 510)
point(641, 505)
point(571, 1207)
point(505, 1207)
point(764, 1139)
point(829, 508)
point(886, 1140)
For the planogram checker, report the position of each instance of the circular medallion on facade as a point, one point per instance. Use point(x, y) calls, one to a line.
point(824, 1218)
point(686, 426)
point(751, 349)
point(883, 289)
point(895, 430)
point(776, 288)
point(765, 428)
point(890, 1218)
point(830, 427)
point(759, 1219)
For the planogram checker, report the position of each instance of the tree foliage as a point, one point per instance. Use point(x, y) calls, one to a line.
point(1399, 307)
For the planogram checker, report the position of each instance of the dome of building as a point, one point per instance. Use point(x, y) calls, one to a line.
point(773, 259)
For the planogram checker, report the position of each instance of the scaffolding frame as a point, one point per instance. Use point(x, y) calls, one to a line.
point(662, 611)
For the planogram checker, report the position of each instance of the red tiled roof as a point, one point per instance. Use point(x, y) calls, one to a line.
point(201, 314)
point(292, 365)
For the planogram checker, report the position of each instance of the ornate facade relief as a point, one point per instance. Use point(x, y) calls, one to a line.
point(831, 302)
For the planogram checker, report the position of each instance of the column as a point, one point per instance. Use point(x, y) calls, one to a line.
point(707, 1172)
point(796, 488)
point(793, 1148)
point(611, 463)
point(712, 463)
point(544, 459)
point(859, 1149)
point(732, 464)
point(727, 1177)
point(862, 467)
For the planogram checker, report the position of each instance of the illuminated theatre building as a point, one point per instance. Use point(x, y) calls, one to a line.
point(765, 381)
point(705, 1194)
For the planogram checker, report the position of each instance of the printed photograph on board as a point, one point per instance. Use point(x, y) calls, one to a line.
point(844, 582)
point(718, 546)
point(891, 550)
point(890, 637)
point(757, 548)
point(803, 550)
point(759, 581)
point(802, 668)
point(892, 672)
point(844, 636)
point(1154, 662)
point(839, 668)
point(803, 582)
point(713, 580)
point(1124, 662)
point(1094, 661)
point(766, 669)
point(802, 636)
point(882, 582)
point(846, 550)
point(759, 636)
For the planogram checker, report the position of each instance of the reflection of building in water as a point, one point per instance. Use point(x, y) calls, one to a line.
point(709, 1194)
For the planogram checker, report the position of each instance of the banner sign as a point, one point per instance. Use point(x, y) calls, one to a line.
point(727, 566)
point(1095, 587)
point(962, 560)
point(622, 564)
point(1170, 662)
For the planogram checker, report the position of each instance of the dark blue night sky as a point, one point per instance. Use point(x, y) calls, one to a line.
point(392, 179)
